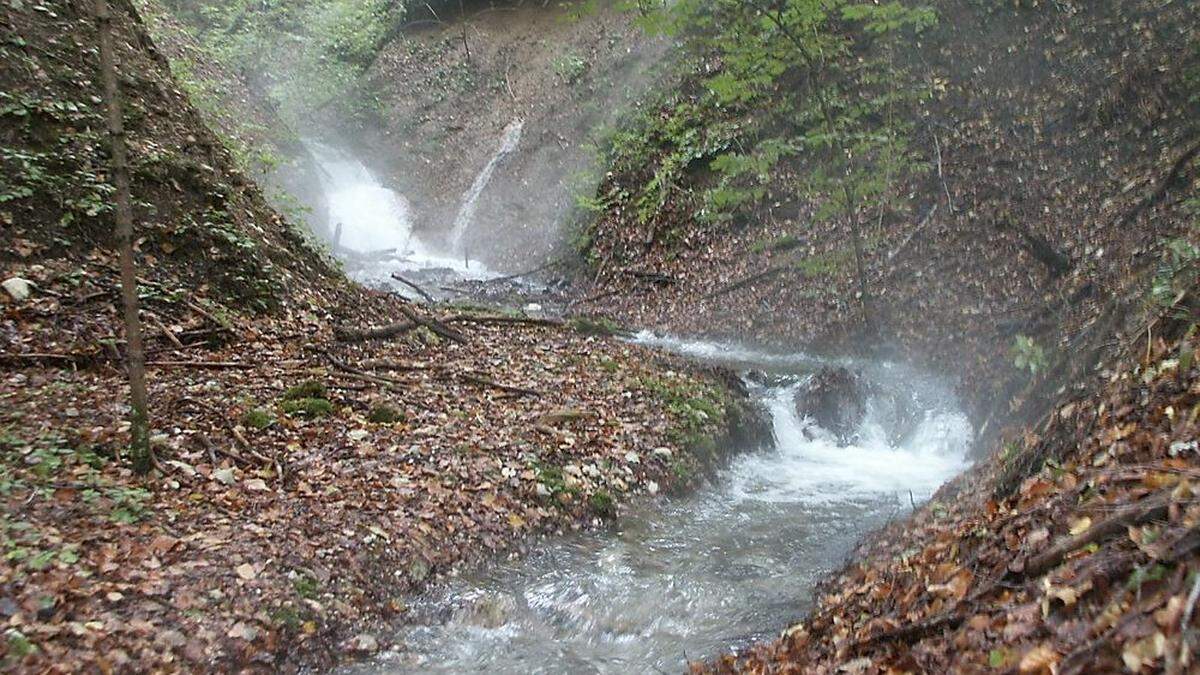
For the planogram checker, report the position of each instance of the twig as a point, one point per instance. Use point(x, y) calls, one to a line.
point(526, 273)
point(165, 331)
point(746, 281)
point(434, 325)
point(937, 145)
point(378, 333)
point(907, 240)
point(1149, 509)
point(418, 289)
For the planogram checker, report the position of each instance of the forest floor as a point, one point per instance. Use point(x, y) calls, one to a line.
point(306, 484)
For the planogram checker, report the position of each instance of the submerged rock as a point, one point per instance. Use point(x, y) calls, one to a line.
point(835, 399)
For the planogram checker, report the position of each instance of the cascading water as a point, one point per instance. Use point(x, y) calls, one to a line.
point(368, 216)
point(693, 577)
point(373, 226)
point(466, 214)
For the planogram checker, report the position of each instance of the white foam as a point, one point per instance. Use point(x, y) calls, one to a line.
point(811, 468)
point(377, 220)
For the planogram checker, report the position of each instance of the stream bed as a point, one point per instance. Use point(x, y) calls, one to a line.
point(688, 578)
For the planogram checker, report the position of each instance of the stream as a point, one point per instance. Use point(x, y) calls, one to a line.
point(688, 578)
point(673, 579)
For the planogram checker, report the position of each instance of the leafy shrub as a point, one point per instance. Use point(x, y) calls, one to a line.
point(1028, 355)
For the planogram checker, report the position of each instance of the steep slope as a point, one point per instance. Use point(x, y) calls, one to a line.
point(1061, 130)
point(1050, 223)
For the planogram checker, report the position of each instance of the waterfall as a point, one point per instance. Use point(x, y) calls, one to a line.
point(368, 216)
point(466, 214)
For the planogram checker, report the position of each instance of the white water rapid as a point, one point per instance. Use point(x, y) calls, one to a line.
point(692, 577)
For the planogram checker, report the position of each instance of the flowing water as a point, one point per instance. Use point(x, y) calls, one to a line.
point(470, 201)
point(374, 232)
point(692, 577)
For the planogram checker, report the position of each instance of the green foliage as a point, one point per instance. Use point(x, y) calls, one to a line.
point(1028, 355)
point(597, 325)
point(306, 389)
point(812, 82)
point(602, 504)
point(311, 55)
point(1175, 274)
point(307, 399)
point(570, 68)
point(63, 174)
point(692, 405)
point(257, 418)
point(306, 587)
point(307, 407)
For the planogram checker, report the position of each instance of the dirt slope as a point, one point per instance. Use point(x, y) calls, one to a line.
point(1074, 122)
point(565, 69)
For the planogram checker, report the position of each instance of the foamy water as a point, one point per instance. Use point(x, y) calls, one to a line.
point(693, 577)
point(377, 236)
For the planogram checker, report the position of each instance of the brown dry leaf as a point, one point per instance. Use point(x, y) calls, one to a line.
point(1144, 652)
point(1040, 659)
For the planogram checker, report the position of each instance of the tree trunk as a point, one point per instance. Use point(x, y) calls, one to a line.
point(139, 431)
point(859, 262)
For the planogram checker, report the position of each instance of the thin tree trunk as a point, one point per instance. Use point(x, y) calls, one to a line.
point(462, 17)
point(139, 431)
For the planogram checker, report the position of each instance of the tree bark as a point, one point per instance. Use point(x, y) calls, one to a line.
point(139, 431)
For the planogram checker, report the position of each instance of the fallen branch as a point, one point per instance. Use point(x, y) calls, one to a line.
point(434, 325)
point(746, 281)
point(653, 277)
point(388, 383)
point(1042, 250)
point(202, 364)
point(378, 333)
point(500, 320)
point(912, 235)
point(165, 331)
point(526, 273)
point(418, 289)
point(594, 298)
point(1149, 509)
point(1163, 186)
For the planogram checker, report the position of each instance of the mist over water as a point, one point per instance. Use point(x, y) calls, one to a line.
point(692, 577)
point(370, 226)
